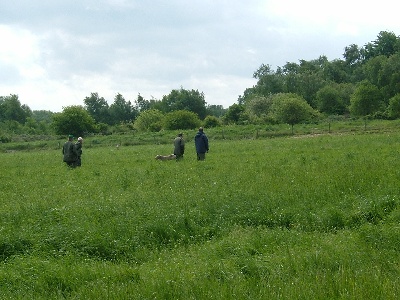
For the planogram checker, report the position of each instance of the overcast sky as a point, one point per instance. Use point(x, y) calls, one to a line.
point(54, 53)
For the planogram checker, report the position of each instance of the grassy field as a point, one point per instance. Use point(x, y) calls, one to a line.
point(303, 217)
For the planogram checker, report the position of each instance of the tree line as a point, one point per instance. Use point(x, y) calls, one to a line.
point(364, 83)
point(180, 109)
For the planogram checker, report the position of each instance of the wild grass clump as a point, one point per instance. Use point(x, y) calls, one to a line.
point(311, 217)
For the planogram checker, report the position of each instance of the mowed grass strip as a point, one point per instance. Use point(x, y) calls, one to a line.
point(294, 218)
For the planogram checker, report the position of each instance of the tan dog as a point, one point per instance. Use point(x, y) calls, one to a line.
point(165, 157)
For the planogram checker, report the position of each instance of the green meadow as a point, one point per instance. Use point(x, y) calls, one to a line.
point(293, 217)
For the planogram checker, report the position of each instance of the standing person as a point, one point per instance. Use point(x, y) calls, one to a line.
point(179, 146)
point(78, 149)
point(69, 152)
point(201, 143)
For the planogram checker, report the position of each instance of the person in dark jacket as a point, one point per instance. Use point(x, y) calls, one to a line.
point(179, 146)
point(69, 152)
point(201, 143)
point(78, 149)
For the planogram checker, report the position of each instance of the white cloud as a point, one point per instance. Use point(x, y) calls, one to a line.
point(57, 52)
point(20, 50)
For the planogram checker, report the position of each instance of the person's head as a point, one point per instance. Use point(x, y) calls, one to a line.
point(201, 129)
point(80, 139)
point(70, 137)
point(180, 134)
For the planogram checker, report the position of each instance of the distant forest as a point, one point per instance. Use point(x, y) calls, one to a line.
point(365, 83)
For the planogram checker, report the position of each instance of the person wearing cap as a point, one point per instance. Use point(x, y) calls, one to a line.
point(78, 149)
point(201, 143)
point(69, 152)
point(179, 146)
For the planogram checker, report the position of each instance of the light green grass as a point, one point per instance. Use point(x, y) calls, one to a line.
point(312, 217)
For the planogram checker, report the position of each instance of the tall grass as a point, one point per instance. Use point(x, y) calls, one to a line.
point(311, 217)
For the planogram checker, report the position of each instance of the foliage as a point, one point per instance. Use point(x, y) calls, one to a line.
point(389, 77)
point(372, 68)
point(122, 111)
point(181, 119)
point(235, 114)
point(149, 120)
point(329, 101)
point(334, 99)
point(322, 83)
point(211, 121)
point(386, 44)
point(366, 100)
point(182, 99)
point(291, 109)
point(4, 138)
point(258, 108)
point(394, 107)
point(42, 115)
point(74, 120)
point(12, 110)
point(215, 110)
point(98, 108)
point(12, 127)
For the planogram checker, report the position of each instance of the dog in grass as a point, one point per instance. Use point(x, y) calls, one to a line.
point(165, 157)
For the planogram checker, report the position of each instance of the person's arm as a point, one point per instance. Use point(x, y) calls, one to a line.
point(206, 142)
point(182, 146)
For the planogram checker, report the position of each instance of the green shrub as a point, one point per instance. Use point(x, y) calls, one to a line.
point(181, 119)
point(211, 121)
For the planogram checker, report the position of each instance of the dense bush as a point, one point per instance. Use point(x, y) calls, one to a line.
point(149, 120)
point(211, 121)
point(181, 119)
point(5, 138)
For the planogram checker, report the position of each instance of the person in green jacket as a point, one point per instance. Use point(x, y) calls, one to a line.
point(69, 152)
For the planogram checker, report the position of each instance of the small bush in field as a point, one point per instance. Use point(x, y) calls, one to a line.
point(211, 121)
point(181, 119)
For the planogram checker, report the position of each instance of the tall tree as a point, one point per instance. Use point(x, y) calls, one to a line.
point(387, 43)
point(389, 77)
point(366, 100)
point(235, 114)
point(98, 108)
point(352, 55)
point(268, 81)
point(336, 71)
point(182, 99)
point(215, 110)
point(73, 120)
point(12, 110)
point(394, 107)
point(291, 82)
point(42, 115)
point(142, 104)
point(291, 109)
point(372, 68)
point(329, 101)
point(122, 110)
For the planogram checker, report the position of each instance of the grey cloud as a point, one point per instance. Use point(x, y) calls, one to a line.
point(159, 44)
